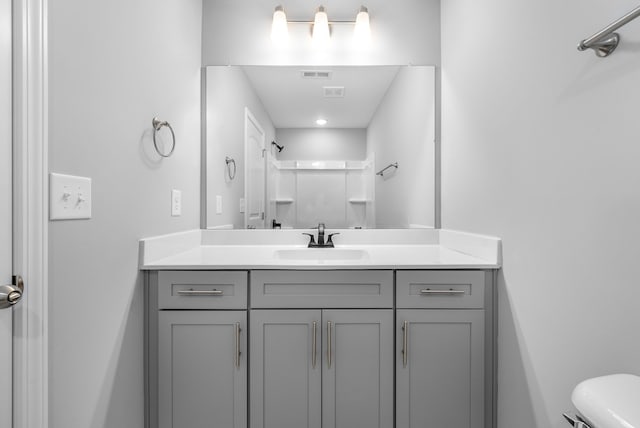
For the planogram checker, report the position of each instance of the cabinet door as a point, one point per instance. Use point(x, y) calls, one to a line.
point(285, 372)
point(202, 379)
point(357, 379)
point(440, 383)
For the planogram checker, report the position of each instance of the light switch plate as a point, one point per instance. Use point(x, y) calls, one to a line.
point(218, 204)
point(242, 207)
point(176, 203)
point(69, 197)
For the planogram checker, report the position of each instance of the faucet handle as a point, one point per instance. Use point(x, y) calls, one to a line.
point(312, 241)
point(331, 235)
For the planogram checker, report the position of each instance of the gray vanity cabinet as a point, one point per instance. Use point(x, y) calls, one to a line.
point(197, 349)
point(440, 359)
point(202, 380)
point(357, 370)
point(440, 382)
point(321, 349)
point(285, 366)
point(321, 368)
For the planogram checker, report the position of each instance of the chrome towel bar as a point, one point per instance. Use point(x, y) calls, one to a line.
point(392, 165)
point(605, 41)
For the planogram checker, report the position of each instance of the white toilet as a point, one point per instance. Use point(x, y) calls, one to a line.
point(607, 402)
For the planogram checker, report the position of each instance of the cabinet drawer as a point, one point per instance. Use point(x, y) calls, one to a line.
point(440, 289)
point(322, 289)
point(202, 290)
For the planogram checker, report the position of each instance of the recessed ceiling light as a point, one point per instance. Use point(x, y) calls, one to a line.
point(321, 122)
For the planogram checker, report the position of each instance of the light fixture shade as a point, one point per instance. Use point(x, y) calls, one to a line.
point(362, 31)
point(320, 34)
point(279, 28)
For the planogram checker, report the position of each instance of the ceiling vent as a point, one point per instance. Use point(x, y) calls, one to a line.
point(316, 74)
point(333, 91)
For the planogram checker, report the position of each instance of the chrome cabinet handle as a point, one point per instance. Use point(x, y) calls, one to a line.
point(329, 328)
point(314, 335)
point(430, 291)
point(200, 292)
point(238, 330)
point(405, 343)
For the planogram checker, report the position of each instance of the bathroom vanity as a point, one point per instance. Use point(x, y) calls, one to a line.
point(250, 328)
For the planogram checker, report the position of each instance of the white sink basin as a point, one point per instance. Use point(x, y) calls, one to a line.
point(321, 254)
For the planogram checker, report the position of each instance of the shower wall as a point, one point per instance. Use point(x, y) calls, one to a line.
point(322, 143)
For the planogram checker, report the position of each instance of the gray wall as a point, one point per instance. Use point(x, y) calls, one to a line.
point(228, 92)
point(114, 65)
point(541, 147)
point(403, 130)
point(237, 32)
point(321, 144)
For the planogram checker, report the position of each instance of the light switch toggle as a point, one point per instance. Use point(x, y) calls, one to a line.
point(70, 197)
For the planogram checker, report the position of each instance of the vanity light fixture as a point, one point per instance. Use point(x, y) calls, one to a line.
point(321, 122)
point(362, 30)
point(320, 26)
point(320, 33)
point(279, 28)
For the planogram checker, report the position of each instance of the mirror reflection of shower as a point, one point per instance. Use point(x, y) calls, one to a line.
point(328, 130)
point(324, 176)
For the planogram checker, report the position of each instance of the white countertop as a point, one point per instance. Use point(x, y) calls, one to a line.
point(367, 249)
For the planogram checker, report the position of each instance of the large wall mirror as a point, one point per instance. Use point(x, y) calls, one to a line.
point(294, 146)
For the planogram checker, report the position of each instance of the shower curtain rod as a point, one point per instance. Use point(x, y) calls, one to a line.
point(605, 41)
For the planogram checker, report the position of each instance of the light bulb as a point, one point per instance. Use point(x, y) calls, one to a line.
point(320, 34)
point(321, 122)
point(279, 29)
point(362, 31)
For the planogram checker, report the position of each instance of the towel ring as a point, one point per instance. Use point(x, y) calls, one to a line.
point(157, 125)
point(229, 161)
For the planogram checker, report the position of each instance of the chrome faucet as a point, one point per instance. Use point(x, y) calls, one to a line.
point(321, 243)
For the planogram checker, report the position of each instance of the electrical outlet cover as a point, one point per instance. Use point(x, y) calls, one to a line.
point(176, 203)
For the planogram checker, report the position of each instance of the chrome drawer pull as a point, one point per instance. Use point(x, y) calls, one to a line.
point(193, 292)
point(432, 292)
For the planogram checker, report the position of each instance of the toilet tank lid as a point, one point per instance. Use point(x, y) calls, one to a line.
point(609, 401)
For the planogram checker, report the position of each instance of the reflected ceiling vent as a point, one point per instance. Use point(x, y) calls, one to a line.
point(316, 74)
point(333, 91)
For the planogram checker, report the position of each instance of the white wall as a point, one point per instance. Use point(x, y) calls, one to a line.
point(321, 144)
point(540, 146)
point(403, 130)
point(228, 92)
point(115, 65)
point(403, 31)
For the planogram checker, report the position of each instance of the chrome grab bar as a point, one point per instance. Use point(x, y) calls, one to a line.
point(193, 292)
point(450, 291)
point(314, 337)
